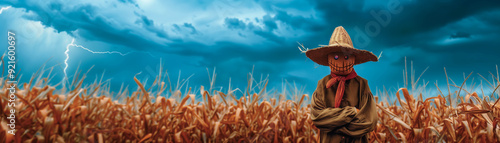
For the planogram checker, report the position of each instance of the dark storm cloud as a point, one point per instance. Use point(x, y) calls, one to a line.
point(299, 22)
point(490, 18)
point(227, 50)
point(457, 35)
point(423, 17)
point(460, 35)
point(279, 51)
point(269, 22)
point(478, 55)
point(234, 23)
point(85, 21)
point(191, 27)
point(414, 21)
point(410, 21)
point(415, 18)
point(92, 26)
point(342, 12)
point(149, 25)
point(452, 34)
point(186, 27)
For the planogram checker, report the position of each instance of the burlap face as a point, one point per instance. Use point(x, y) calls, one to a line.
point(341, 63)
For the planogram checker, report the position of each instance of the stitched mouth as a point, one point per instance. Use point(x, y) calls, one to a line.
point(342, 68)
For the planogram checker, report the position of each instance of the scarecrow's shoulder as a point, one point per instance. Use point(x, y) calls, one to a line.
point(363, 83)
point(361, 79)
point(324, 79)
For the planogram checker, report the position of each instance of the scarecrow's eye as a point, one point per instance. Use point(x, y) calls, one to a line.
point(346, 57)
point(336, 57)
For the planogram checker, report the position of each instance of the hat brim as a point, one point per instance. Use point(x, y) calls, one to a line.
point(320, 55)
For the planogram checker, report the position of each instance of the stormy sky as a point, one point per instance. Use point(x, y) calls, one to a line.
point(126, 37)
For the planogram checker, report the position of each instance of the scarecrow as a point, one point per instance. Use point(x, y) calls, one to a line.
point(343, 107)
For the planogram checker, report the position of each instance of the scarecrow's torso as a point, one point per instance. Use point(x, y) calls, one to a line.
point(352, 92)
point(356, 90)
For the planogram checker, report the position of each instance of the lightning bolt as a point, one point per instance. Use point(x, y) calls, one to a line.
point(72, 44)
point(4, 8)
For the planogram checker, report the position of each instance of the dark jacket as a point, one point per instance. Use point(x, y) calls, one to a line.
point(344, 124)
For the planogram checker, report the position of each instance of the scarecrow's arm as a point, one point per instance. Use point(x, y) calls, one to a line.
point(327, 118)
point(365, 120)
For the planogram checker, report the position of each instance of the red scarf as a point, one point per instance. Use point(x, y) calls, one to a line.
point(341, 86)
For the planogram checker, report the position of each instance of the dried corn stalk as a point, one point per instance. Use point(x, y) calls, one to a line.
point(79, 115)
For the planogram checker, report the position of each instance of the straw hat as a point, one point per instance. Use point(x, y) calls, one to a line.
point(339, 42)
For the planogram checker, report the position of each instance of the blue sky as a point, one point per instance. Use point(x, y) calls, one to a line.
point(237, 36)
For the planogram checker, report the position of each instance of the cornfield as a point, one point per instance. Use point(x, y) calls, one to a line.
point(156, 113)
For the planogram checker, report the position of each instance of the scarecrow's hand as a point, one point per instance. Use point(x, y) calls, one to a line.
point(332, 118)
point(365, 119)
point(327, 118)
